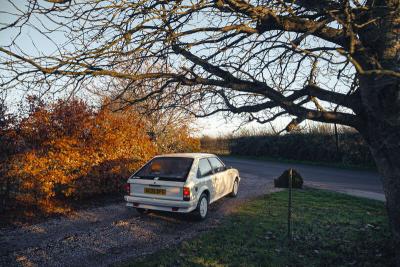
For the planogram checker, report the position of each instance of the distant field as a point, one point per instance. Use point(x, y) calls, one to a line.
point(329, 229)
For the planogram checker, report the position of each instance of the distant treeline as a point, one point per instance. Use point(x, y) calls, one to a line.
point(348, 149)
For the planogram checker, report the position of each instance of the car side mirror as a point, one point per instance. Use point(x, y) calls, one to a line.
point(224, 168)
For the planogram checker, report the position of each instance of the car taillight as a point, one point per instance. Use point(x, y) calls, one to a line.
point(128, 188)
point(186, 193)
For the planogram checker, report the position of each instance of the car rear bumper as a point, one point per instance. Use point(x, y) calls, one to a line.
point(160, 204)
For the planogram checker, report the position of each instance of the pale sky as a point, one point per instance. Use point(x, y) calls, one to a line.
point(215, 125)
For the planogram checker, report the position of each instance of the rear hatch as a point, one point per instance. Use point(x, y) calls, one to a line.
point(161, 178)
point(156, 189)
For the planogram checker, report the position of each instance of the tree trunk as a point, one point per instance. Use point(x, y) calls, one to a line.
point(385, 148)
point(381, 116)
point(380, 100)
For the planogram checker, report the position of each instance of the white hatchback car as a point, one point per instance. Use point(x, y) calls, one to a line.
point(183, 183)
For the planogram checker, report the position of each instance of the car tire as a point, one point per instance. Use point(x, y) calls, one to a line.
point(141, 211)
point(201, 211)
point(235, 188)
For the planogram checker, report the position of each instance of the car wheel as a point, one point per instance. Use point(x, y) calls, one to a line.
point(235, 188)
point(202, 208)
point(140, 210)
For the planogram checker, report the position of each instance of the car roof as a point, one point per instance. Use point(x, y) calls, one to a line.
point(188, 155)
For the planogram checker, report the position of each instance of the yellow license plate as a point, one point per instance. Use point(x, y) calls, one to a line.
point(154, 191)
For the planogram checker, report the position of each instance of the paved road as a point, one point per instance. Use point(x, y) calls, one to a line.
point(112, 234)
point(357, 181)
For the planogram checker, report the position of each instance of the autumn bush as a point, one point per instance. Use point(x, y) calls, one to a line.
point(8, 147)
point(177, 139)
point(68, 150)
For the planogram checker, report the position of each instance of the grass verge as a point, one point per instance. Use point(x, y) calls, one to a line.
point(329, 229)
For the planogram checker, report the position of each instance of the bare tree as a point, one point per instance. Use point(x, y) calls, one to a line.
point(165, 122)
point(333, 61)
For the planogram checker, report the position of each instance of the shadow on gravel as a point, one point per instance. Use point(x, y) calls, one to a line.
point(24, 215)
point(170, 216)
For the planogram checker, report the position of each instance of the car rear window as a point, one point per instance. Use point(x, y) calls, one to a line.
point(166, 168)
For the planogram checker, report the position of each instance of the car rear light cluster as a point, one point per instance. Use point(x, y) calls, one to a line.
point(186, 193)
point(128, 188)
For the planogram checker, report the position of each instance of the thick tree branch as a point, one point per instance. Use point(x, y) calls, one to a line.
point(230, 81)
point(268, 20)
point(349, 101)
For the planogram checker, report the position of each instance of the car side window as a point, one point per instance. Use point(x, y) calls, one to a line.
point(204, 168)
point(216, 164)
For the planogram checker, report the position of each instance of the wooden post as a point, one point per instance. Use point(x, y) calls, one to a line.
point(337, 140)
point(290, 206)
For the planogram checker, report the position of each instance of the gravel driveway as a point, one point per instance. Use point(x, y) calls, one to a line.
point(111, 234)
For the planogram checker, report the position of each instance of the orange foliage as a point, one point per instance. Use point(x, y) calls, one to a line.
point(68, 150)
point(76, 152)
point(178, 140)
